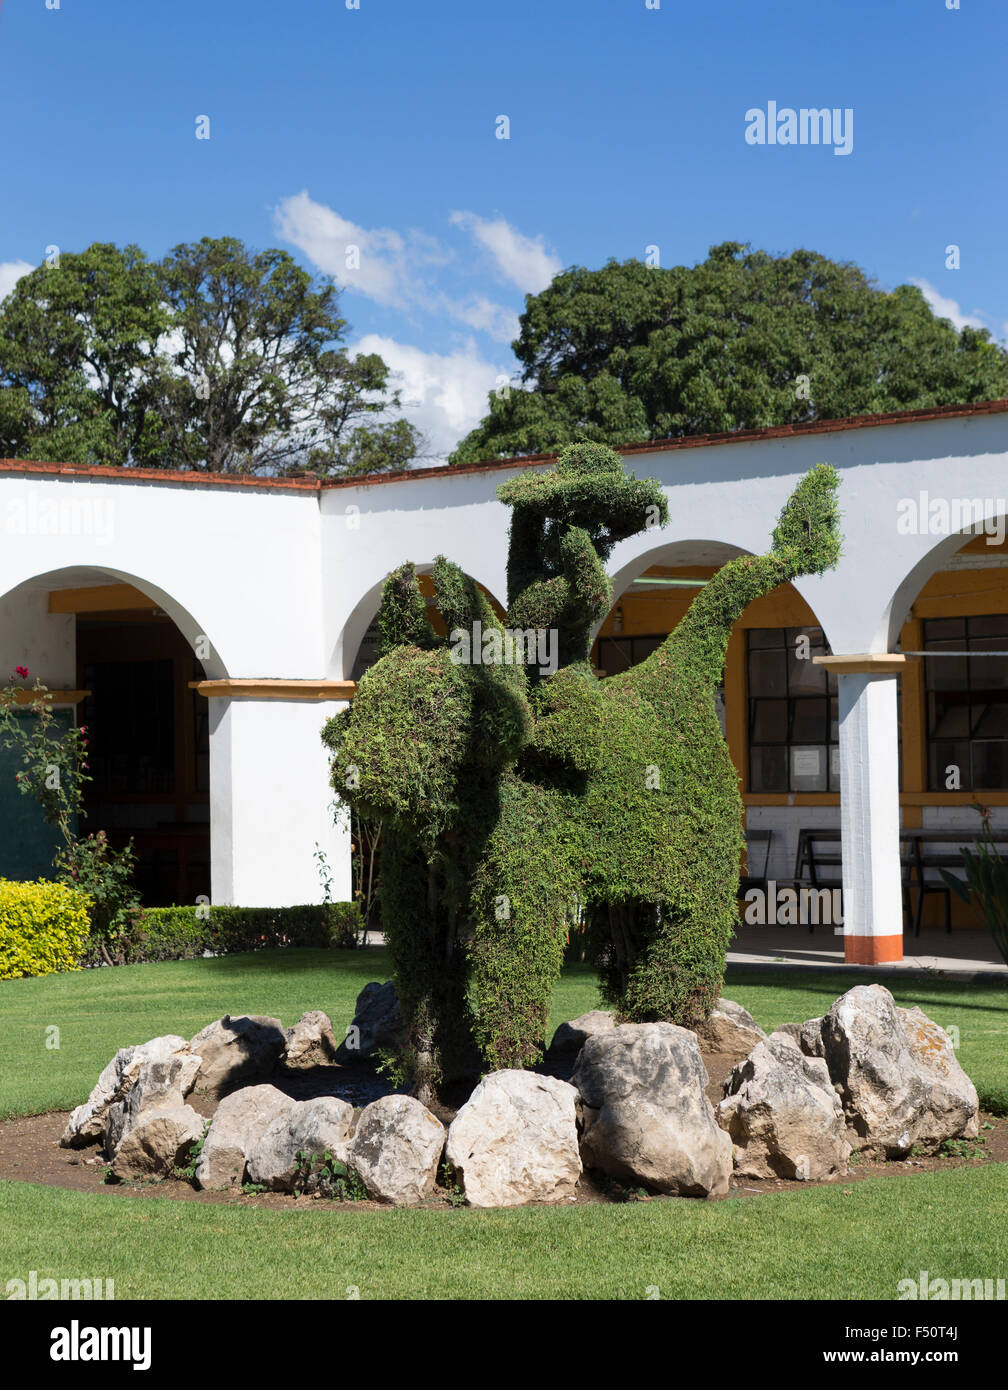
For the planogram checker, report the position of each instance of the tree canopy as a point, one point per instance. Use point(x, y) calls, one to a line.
point(216, 358)
point(743, 340)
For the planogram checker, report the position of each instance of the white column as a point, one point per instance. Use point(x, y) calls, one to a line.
point(869, 816)
point(271, 803)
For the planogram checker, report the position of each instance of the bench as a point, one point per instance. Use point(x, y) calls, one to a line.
point(916, 860)
point(809, 863)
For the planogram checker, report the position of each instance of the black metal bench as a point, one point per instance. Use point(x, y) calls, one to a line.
point(915, 862)
point(809, 863)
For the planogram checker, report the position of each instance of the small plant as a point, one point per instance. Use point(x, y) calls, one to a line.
point(964, 1148)
point(325, 872)
point(252, 1189)
point(987, 881)
point(187, 1171)
point(106, 875)
point(616, 1191)
point(322, 1175)
point(394, 1067)
point(455, 1195)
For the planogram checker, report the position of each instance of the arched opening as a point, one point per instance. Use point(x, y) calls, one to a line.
point(950, 617)
point(778, 710)
point(120, 656)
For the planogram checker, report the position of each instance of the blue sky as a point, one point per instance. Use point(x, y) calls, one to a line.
point(376, 127)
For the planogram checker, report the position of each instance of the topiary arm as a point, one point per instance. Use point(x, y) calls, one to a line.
point(402, 616)
point(460, 600)
point(806, 540)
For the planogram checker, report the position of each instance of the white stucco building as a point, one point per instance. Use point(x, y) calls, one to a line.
point(260, 593)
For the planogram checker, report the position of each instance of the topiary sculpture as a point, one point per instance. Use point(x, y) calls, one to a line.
point(508, 795)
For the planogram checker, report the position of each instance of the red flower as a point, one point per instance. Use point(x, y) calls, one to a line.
point(22, 671)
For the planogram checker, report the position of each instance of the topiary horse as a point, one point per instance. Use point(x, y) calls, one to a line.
point(507, 796)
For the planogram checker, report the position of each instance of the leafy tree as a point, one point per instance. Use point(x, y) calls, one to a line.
point(632, 352)
point(217, 359)
point(75, 339)
point(255, 381)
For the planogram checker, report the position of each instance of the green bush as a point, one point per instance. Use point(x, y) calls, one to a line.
point(182, 933)
point(43, 928)
point(106, 876)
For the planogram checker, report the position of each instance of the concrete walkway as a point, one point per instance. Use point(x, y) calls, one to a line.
point(965, 955)
point(958, 954)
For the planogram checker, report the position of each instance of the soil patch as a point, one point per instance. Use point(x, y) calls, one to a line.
point(30, 1151)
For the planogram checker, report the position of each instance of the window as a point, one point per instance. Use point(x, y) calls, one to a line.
point(967, 703)
point(793, 731)
point(617, 654)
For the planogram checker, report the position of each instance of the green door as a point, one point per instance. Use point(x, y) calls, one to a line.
point(27, 844)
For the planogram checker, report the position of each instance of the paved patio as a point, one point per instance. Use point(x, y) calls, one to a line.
point(963, 953)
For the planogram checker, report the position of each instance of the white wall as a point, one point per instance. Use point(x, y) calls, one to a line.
point(730, 493)
point(271, 799)
point(32, 636)
point(240, 566)
point(285, 582)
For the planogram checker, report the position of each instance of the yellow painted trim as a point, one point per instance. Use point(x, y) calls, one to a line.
point(275, 689)
point(964, 605)
point(863, 663)
point(982, 798)
point(791, 798)
point(974, 798)
point(736, 720)
point(914, 713)
point(99, 598)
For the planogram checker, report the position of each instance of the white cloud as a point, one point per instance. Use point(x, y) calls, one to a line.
point(520, 259)
point(948, 308)
point(386, 259)
point(10, 274)
point(394, 269)
point(444, 395)
point(482, 313)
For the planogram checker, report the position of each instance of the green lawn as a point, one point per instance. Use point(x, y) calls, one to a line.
point(852, 1240)
point(98, 1011)
point(845, 1241)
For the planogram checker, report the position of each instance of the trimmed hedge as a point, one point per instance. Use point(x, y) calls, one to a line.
point(181, 933)
point(507, 794)
point(44, 928)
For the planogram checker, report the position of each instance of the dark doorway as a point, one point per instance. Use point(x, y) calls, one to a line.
point(149, 750)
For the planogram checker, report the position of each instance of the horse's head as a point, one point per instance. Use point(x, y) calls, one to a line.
point(428, 722)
